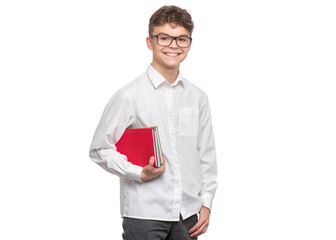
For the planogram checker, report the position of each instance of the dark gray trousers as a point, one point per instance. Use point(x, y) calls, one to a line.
point(141, 229)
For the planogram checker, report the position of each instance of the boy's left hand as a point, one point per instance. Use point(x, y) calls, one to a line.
point(202, 224)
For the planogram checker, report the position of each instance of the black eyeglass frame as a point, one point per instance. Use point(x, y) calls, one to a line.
point(173, 38)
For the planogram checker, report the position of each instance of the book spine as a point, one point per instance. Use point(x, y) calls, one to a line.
point(154, 145)
point(157, 148)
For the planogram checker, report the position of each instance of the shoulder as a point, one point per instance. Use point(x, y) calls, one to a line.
point(126, 92)
point(134, 86)
point(194, 90)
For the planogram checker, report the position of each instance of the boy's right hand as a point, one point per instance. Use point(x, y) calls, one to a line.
point(149, 172)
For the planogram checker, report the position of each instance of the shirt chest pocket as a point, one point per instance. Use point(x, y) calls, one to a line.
point(188, 121)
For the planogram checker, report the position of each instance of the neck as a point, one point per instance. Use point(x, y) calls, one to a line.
point(170, 74)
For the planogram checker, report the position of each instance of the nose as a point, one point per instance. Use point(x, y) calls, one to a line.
point(174, 43)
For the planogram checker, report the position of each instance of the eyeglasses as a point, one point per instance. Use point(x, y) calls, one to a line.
point(165, 40)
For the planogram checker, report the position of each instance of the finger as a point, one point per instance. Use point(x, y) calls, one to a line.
point(196, 227)
point(198, 231)
point(201, 230)
point(163, 167)
point(151, 161)
point(159, 170)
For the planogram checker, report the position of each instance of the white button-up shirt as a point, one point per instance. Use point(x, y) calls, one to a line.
point(181, 112)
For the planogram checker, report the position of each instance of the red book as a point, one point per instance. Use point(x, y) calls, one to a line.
point(138, 144)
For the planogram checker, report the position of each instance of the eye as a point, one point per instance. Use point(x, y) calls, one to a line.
point(164, 38)
point(182, 39)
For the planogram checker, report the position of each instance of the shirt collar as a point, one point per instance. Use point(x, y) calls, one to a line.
point(157, 79)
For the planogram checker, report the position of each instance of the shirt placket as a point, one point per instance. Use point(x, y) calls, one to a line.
point(174, 160)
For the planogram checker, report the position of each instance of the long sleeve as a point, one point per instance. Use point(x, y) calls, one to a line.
point(207, 153)
point(117, 116)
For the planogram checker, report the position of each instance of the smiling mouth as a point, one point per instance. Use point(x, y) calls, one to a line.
point(172, 54)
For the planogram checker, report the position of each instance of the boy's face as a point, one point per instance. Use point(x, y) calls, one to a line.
point(168, 57)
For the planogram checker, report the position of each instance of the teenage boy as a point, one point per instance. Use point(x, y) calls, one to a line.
point(162, 203)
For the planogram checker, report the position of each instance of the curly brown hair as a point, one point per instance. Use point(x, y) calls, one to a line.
point(171, 14)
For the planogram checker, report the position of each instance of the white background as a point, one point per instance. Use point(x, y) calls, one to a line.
point(267, 66)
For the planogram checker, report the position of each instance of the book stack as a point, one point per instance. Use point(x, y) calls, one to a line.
point(139, 144)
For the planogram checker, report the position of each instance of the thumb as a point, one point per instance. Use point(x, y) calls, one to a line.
point(151, 161)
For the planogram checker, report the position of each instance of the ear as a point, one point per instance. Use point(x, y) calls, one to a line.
point(149, 43)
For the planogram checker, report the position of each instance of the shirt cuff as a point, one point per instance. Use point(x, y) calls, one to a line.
point(134, 172)
point(207, 201)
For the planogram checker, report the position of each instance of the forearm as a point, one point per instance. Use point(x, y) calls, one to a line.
point(116, 163)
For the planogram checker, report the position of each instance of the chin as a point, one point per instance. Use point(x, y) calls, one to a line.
point(174, 64)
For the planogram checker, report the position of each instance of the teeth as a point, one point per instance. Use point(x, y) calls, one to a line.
point(172, 54)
